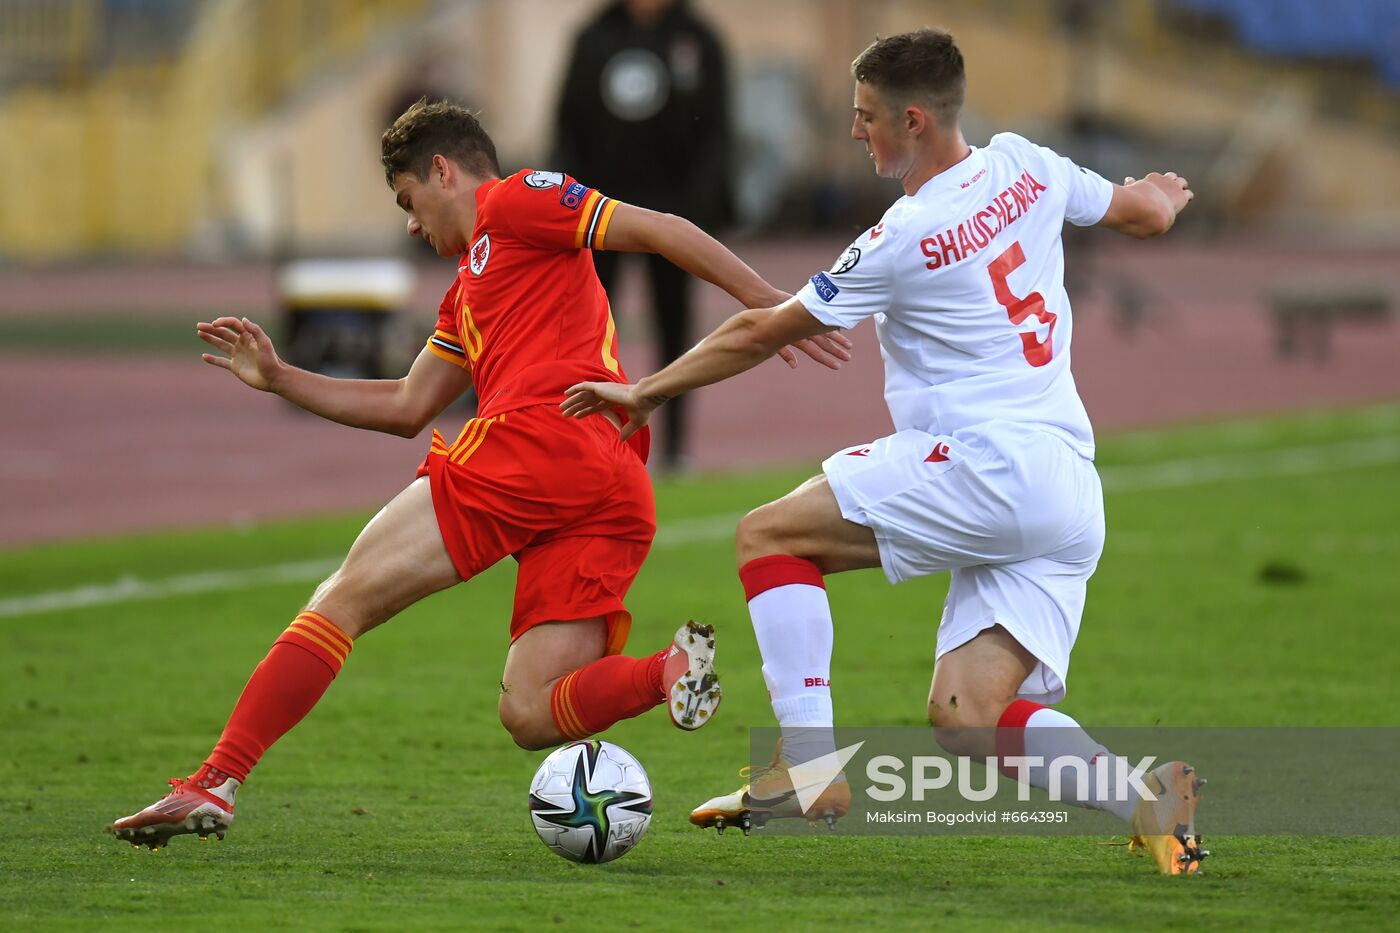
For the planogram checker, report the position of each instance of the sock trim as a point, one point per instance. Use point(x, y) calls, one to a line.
point(1011, 732)
point(561, 704)
point(313, 632)
point(765, 573)
point(336, 633)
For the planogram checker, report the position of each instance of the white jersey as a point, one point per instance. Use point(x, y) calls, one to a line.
point(965, 279)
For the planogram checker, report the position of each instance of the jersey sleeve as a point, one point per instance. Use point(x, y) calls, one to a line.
point(1087, 193)
point(859, 285)
point(550, 210)
point(446, 342)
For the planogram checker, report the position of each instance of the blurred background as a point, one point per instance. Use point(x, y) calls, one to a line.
point(167, 161)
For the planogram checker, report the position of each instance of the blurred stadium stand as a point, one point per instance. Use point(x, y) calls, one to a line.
point(114, 114)
point(159, 157)
point(1366, 31)
point(220, 129)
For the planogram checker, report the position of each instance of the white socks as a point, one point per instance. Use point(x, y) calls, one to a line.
point(792, 621)
point(1049, 734)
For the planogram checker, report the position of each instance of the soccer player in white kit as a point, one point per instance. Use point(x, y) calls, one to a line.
point(989, 473)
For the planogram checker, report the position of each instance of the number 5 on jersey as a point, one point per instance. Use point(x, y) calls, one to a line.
point(1018, 309)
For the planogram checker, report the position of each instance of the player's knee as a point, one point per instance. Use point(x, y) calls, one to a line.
point(341, 598)
point(759, 534)
point(948, 730)
point(526, 726)
point(331, 601)
point(963, 726)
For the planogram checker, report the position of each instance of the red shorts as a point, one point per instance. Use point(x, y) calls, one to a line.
point(566, 498)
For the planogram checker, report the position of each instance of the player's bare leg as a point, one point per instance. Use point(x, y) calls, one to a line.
point(784, 549)
point(974, 712)
point(540, 658)
point(398, 559)
point(972, 686)
point(558, 685)
point(807, 524)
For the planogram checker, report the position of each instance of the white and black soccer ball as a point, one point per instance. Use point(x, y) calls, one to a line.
point(590, 801)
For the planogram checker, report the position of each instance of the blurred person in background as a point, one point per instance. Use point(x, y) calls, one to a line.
point(644, 114)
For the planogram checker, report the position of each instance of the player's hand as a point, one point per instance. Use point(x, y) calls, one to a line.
point(591, 398)
point(247, 350)
point(831, 350)
point(1176, 188)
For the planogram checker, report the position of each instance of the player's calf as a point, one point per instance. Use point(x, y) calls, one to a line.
point(606, 691)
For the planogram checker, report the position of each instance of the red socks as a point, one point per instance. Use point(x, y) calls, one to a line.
point(283, 689)
point(605, 692)
point(307, 656)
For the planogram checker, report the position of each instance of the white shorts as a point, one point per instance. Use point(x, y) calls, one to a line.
point(1013, 511)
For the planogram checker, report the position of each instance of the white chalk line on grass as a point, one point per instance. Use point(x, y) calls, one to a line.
point(1194, 471)
point(130, 589)
point(1258, 464)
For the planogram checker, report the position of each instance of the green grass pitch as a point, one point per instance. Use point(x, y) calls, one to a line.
point(1255, 585)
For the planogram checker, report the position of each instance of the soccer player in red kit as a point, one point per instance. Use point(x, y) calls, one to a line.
point(525, 319)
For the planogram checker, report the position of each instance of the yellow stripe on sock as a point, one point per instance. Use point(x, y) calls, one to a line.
point(333, 630)
point(311, 634)
point(574, 723)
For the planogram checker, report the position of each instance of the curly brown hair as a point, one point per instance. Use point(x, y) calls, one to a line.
point(439, 128)
point(924, 66)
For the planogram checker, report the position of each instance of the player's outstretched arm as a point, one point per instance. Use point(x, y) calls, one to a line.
point(638, 230)
point(740, 343)
point(395, 406)
point(1147, 207)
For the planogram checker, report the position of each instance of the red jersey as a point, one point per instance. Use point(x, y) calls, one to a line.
point(527, 314)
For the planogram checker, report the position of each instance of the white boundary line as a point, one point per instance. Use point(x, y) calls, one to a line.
point(1255, 464)
point(1168, 474)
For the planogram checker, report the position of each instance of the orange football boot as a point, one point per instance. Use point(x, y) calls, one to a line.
point(1165, 828)
point(776, 792)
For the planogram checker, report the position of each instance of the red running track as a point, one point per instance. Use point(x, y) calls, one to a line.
point(97, 445)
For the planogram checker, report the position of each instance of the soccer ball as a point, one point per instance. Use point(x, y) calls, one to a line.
point(590, 801)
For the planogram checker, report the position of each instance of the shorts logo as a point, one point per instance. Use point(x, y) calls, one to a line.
point(859, 452)
point(939, 455)
point(480, 252)
point(542, 180)
point(876, 230)
point(825, 287)
point(573, 195)
point(847, 262)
